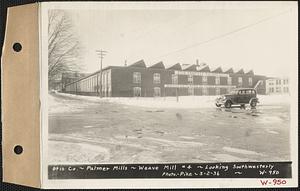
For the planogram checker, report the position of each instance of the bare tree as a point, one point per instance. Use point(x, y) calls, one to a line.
point(63, 45)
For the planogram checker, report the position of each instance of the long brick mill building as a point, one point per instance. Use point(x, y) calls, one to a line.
point(139, 80)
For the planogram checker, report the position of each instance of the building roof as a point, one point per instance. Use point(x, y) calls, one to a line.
point(140, 64)
point(74, 74)
point(203, 68)
point(241, 71)
point(194, 67)
point(250, 72)
point(190, 67)
point(175, 67)
point(217, 70)
point(229, 71)
point(277, 78)
point(158, 65)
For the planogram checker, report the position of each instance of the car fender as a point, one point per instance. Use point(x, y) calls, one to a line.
point(254, 99)
point(229, 99)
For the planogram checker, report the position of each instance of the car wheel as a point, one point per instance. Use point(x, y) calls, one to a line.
point(228, 104)
point(253, 103)
point(218, 105)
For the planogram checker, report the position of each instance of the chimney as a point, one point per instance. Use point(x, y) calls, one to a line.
point(197, 62)
point(125, 63)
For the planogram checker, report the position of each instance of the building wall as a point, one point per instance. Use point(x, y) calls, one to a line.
point(119, 82)
point(261, 88)
point(277, 86)
point(91, 85)
point(123, 84)
point(67, 78)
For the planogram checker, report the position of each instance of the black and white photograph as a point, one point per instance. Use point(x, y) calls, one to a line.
point(171, 83)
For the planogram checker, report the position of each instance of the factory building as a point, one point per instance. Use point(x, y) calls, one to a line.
point(67, 78)
point(138, 80)
point(277, 86)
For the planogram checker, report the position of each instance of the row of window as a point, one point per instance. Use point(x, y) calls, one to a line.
point(137, 78)
point(90, 84)
point(278, 82)
point(137, 91)
point(246, 92)
point(156, 79)
point(191, 91)
point(279, 90)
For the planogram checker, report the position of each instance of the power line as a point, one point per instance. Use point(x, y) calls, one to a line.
point(226, 34)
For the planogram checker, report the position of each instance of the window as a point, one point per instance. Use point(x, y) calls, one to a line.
point(278, 89)
point(271, 90)
point(190, 91)
point(218, 92)
point(137, 77)
point(250, 92)
point(286, 89)
point(92, 84)
point(250, 81)
point(174, 79)
point(156, 78)
point(229, 80)
point(104, 82)
point(217, 80)
point(190, 79)
point(229, 90)
point(137, 92)
point(109, 92)
point(278, 82)
point(204, 91)
point(240, 81)
point(156, 92)
point(204, 79)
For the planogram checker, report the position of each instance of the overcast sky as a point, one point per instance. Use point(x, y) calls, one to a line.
point(263, 39)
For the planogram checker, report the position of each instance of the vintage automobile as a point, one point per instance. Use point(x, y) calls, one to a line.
point(241, 96)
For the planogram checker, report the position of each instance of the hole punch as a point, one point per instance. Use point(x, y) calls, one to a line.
point(17, 47)
point(18, 149)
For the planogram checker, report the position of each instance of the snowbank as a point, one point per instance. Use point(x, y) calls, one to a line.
point(191, 101)
point(274, 99)
point(168, 102)
point(152, 102)
point(59, 105)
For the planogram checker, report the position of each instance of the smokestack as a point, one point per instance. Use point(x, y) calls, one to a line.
point(125, 63)
point(197, 62)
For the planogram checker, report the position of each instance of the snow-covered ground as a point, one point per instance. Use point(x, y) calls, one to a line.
point(57, 105)
point(85, 129)
point(157, 102)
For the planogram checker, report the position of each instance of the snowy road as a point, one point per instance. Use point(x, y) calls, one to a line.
point(82, 130)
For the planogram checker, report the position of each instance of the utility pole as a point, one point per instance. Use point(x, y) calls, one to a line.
point(177, 92)
point(101, 54)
